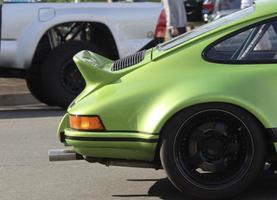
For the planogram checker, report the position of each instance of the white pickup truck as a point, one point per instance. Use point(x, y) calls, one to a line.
point(38, 41)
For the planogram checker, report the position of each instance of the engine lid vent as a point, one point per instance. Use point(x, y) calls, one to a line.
point(128, 61)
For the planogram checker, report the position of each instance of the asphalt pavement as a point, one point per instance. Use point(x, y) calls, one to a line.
point(29, 131)
point(14, 92)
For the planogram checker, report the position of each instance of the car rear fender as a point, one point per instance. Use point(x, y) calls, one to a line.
point(161, 113)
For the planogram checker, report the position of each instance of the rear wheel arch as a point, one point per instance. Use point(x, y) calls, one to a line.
point(210, 117)
point(102, 33)
point(89, 33)
point(267, 133)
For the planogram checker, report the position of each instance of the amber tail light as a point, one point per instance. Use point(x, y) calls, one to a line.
point(86, 123)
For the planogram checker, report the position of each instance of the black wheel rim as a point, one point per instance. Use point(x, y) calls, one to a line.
point(213, 149)
point(71, 79)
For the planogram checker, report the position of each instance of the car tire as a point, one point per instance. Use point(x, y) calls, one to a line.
point(213, 151)
point(34, 86)
point(33, 79)
point(60, 79)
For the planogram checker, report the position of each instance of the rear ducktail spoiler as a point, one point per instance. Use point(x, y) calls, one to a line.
point(95, 69)
point(99, 71)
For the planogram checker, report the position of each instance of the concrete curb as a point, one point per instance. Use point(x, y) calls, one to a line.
point(15, 99)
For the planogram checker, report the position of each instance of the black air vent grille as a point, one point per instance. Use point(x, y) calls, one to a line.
point(128, 61)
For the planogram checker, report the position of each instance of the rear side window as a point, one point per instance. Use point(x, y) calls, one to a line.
point(257, 44)
point(269, 40)
point(229, 46)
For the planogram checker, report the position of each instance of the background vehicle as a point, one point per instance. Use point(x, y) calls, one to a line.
point(38, 41)
point(194, 10)
point(202, 106)
point(208, 8)
point(194, 14)
point(215, 9)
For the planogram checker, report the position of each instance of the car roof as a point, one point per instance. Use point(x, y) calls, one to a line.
point(265, 7)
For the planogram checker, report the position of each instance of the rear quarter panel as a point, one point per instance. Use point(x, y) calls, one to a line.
point(147, 98)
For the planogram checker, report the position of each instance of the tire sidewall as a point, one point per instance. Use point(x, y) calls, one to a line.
point(51, 69)
point(170, 132)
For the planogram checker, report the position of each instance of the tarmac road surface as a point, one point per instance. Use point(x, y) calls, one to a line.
point(27, 132)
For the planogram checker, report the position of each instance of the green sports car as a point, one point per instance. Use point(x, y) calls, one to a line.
point(202, 106)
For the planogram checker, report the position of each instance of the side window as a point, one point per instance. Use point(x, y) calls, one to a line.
point(255, 44)
point(269, 40)
point(225, 50)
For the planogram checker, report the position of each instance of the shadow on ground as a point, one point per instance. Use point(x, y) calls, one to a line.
point(30, 112)
point(264, 188)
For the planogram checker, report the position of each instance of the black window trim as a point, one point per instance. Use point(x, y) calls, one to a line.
point(206, 58)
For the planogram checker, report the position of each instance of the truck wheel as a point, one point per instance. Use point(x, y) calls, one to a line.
point(213, 151)
point(34, 85)
point(60, 79)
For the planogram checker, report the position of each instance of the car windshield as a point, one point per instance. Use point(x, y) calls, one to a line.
point(205, 28)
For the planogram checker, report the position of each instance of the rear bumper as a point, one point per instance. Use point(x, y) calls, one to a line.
point(115, 145)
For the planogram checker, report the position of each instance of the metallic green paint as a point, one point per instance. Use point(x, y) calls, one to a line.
point(63, 125)
point(132, 150)
point(96, 70)
point(144, 97)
